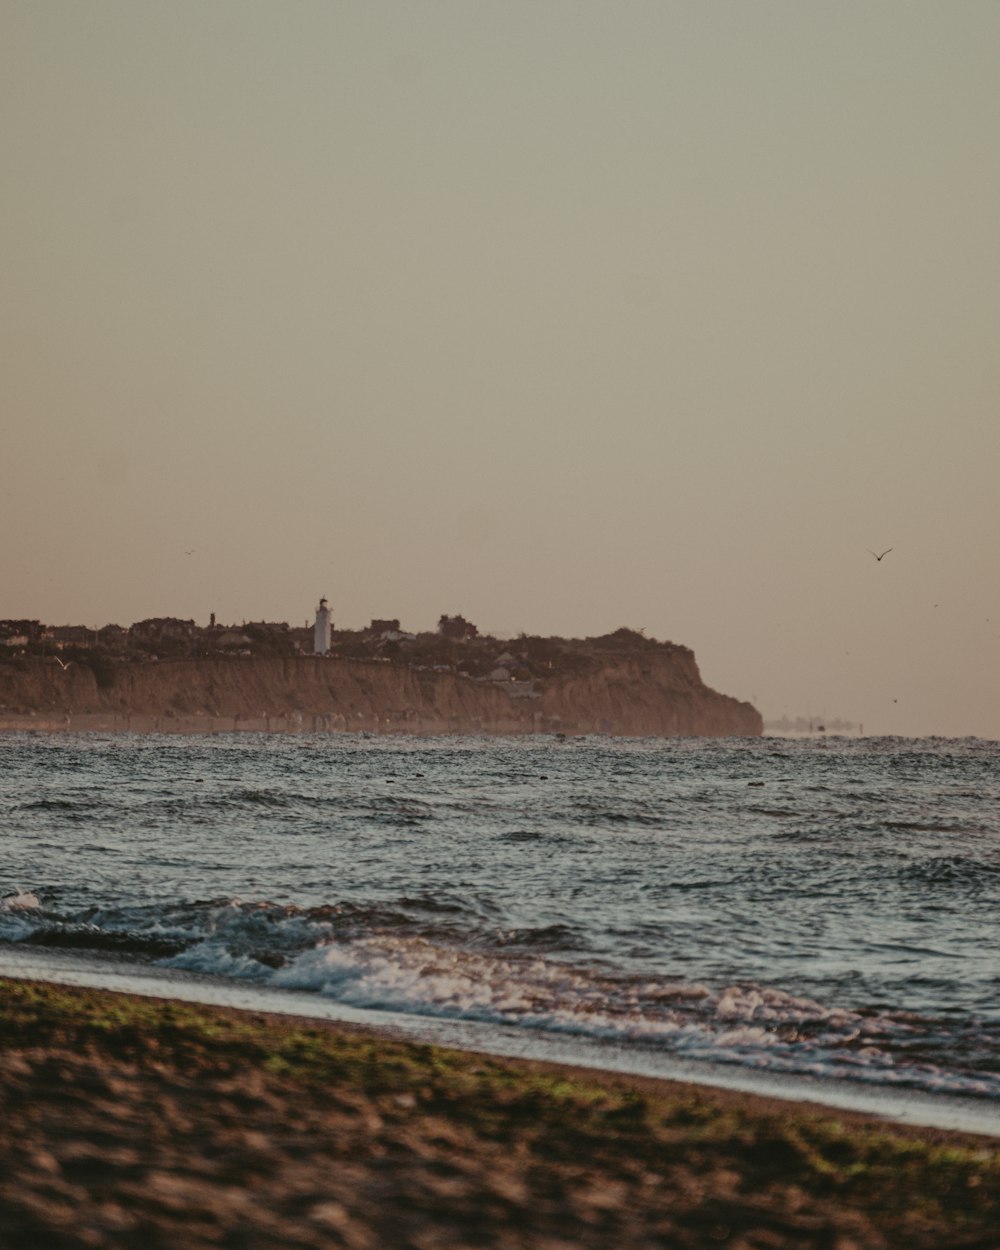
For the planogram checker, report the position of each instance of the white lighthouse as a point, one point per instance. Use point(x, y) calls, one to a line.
point(321, 644)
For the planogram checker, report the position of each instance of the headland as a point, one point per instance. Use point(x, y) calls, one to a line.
point(370, 681)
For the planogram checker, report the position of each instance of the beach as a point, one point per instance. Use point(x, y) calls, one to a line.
point(153, 1123)
point(378, 991)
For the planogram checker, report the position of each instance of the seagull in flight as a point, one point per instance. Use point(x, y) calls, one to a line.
point(878, 557)
point(63, 666)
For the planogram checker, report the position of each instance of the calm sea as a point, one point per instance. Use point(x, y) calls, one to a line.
point(821, 910)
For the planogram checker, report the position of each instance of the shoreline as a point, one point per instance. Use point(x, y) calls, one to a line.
point(152, 1122)
point(892, 1104)
point(140, 724)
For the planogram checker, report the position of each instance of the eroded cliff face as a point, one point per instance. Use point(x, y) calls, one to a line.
point(656, 695)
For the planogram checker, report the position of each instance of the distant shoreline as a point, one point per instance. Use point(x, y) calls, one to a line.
point(654, 694)
point(217, 726)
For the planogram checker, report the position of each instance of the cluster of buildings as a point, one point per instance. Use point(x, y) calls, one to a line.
point(474, 657)
point(174, 636)
point(168, 633)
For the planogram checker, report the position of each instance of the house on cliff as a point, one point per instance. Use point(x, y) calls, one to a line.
point(19, 633)
point(60, 636)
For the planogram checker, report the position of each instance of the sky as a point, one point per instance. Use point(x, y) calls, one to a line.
point(560, 314)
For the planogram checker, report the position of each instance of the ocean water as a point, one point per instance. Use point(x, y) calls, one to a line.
point(822, 909)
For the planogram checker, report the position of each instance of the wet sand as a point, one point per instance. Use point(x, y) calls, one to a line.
point(134, 1122)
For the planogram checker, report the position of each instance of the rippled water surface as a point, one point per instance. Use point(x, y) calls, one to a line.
point(826, 907)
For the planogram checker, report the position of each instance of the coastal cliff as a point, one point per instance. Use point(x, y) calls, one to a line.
point(655, 695)
point(658, 694)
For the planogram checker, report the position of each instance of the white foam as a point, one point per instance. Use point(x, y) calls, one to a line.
point(935, 1106)
point(757, 1028)
point(20, 900)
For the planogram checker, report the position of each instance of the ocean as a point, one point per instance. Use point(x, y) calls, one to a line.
point(818, 918)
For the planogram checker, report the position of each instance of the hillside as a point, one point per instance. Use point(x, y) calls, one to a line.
point(652, 692)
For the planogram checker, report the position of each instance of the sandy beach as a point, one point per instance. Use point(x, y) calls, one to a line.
point(135, 1122)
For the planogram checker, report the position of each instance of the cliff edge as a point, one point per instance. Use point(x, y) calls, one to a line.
point(655, 694)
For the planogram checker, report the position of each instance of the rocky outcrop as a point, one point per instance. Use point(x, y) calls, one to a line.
point(656, 694)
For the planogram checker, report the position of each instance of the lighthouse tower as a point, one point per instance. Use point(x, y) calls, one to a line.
point(321, 644)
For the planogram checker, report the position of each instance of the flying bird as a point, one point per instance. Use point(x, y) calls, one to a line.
point(63, 666)
point(878, 557)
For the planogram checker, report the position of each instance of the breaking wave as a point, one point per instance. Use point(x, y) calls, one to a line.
point(399, 958)
point(827, 908)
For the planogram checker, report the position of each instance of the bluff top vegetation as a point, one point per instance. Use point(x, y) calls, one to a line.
point(456, 646)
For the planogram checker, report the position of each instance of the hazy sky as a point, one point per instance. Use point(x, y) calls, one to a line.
point(559, 314)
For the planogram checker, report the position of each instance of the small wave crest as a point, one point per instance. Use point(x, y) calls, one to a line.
point(436, 958)
point(760, 1027)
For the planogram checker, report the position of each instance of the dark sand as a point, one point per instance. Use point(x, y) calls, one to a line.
point(140, 1123)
